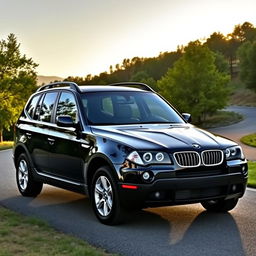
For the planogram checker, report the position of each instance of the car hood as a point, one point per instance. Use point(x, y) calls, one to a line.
point(159, 137)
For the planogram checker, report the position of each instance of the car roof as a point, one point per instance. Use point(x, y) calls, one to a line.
point(123, 86)
point(107, 88)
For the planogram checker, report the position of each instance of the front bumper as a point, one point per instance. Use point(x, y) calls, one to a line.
point(225, 182)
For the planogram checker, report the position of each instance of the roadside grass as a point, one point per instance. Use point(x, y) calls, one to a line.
point(221, 118)
point(6, 145)
point(252, 174)
point(249, 139)
point(21, 235)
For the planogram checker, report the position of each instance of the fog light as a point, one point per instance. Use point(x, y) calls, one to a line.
point(146, 176)
point(233, 188)
point(243, 168)
point(157, 195)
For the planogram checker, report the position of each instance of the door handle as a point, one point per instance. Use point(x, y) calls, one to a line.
point(51, 141)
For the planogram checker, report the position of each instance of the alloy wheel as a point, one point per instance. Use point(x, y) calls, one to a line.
point(23, 174)
point(103, 195)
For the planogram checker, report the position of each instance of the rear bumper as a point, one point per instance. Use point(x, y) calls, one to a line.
point(174, 191)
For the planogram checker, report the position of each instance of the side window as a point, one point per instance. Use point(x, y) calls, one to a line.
point(47, 106)
point(32, 105)
point(67, 106)
point(37, 110)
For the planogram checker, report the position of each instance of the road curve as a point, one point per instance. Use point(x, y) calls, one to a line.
point(238, 130)
point(178, 230)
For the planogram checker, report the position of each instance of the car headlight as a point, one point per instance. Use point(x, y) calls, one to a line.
point(235, 152)
point(149, 157)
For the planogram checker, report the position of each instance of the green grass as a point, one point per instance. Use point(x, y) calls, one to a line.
point(6, 145)
point(20, 235)
point(249, 140)
point(221, 118)
point(252, 174)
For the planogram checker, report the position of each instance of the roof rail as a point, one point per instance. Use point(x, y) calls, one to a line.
point(72, 85)
point(142, 86)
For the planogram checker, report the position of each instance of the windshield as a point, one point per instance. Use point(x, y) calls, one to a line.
point(112, 108)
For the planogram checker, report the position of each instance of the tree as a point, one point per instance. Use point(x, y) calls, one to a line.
point(217, 43)
point(194, 84)
point(17, 81)
point(143, 77)
point(247, 58)
point(244, 32)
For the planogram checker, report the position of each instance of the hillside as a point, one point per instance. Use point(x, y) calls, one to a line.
point(47, 79)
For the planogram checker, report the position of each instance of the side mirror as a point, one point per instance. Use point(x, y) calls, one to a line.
point(187, 117)
point(65, 121)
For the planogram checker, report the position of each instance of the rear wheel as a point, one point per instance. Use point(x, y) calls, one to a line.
point(25, 180)
point(105, 198)
point(220, 205)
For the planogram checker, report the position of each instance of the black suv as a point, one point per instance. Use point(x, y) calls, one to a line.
point(125, 147)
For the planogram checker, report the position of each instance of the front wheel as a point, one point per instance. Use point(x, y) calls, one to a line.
point(25, 180)
point(220, 205)
point(105, 198)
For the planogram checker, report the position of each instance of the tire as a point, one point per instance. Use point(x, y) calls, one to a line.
point(104, 197)
point(220, 205)
point(24, 178)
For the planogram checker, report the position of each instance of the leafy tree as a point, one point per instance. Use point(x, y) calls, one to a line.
point(143, 77)
point(17, 81)
point(194, 84)
point(247, 57)
point(217, 43)
point(221, 62)
point(244, 32)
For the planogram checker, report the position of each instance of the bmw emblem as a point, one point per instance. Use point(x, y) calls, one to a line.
point(196, 146)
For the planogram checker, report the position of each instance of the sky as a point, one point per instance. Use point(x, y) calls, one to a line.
point(81, 37)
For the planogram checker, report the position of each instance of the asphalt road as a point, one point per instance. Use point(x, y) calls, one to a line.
point(178, 230)
point(236, 131)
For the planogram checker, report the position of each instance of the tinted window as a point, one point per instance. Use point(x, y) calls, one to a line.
point(47, 106)
point(32, 105)
point(128, 108)
point(37, 110)
point(67, 106)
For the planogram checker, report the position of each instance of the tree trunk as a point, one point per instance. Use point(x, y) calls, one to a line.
point(1, 135)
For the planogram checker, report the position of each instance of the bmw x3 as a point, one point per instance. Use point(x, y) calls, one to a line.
point(125, 147)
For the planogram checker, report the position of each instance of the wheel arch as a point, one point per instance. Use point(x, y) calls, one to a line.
point(19, 149)
point(96, 162)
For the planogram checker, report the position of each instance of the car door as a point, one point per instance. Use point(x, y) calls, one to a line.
point(42, 126)
point(66, 155)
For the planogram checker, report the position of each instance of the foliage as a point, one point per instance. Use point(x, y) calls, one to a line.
point(136, 69)
point(143, 77)
point(247, 57)
point(17, 81)
point(244, 32)
point(194, 84)
point(249, 140)
point(224, 46)
point(6, 145)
